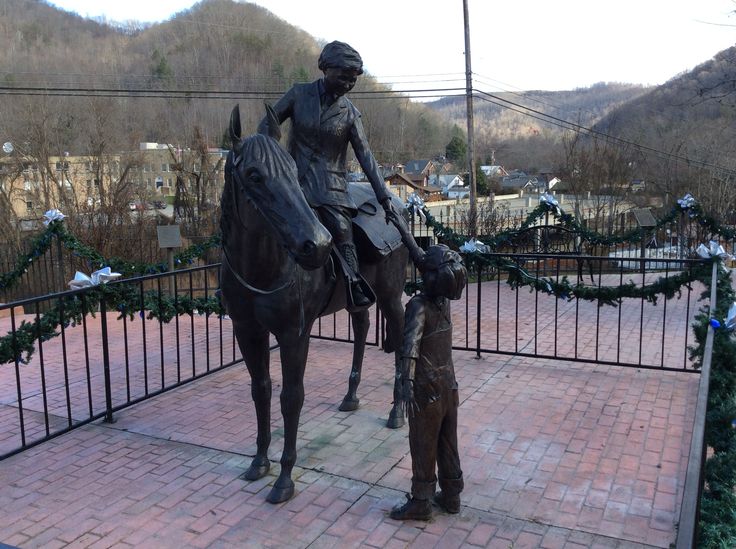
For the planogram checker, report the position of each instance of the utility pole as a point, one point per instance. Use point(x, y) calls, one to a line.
point(469, 107)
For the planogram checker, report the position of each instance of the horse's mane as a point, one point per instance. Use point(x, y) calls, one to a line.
point(263, 149)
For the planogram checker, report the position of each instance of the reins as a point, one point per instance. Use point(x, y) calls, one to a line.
point(250, 287)
point(289, 283)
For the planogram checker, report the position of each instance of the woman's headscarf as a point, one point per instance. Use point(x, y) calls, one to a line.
point(340, 55)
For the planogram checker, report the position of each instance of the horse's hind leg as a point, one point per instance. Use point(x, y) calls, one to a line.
point(256, 355)
point(293, 361)
point(361, 324)
point(394, 313)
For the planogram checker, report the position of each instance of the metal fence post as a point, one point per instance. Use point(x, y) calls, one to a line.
point(106, 361)
point(478, 311)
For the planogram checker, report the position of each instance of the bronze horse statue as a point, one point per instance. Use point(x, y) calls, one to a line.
point(277, 278)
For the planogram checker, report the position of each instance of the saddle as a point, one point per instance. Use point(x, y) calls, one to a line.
point(374, 238)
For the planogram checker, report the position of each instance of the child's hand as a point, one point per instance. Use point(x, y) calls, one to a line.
point(407, 398)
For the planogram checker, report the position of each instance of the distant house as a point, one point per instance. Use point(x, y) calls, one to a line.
point(638, 185)
point(403, 186)
point(452, 186)
point(494, 172)
point(518, 180)
point(552, 183)
point(420, 171)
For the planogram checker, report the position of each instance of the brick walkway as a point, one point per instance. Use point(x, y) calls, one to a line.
point(555, 454)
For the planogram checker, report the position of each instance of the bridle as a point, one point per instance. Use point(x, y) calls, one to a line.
point(236, 183)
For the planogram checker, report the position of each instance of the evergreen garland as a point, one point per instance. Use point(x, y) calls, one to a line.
point(124, 297)
point(43, 241)
point(717, 526)
point(39, 246)
point(689, 207)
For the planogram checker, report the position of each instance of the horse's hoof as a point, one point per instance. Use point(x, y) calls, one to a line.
point(349, 404)
point(280, 494)
point(395, 421)
point(258, 469)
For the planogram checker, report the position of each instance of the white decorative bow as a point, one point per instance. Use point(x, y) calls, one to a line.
point(551, 202)
point(101, 276)
point(473, 245)
point(714, 249)
point(52, 215)
point(687, 201)
point(415, 204)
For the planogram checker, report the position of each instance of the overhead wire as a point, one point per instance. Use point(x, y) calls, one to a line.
point(414, 93)
point(530, 95)
point(565, 124)
point(55, 91)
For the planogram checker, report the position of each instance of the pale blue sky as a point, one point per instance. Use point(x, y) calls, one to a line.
point(515, 44)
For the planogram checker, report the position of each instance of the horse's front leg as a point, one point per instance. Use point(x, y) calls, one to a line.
point(256, 355)
point(293, 361)
point(361, 324)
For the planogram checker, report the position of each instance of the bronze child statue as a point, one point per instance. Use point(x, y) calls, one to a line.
point(429, 388)
point(323, 123)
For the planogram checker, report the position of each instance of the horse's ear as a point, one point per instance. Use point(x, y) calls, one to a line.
point(272, 128)
point(235, 130)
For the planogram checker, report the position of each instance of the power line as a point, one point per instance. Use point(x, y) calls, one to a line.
point(530, 95)
point(418, 93)
point(572, 126)
point(203, 94)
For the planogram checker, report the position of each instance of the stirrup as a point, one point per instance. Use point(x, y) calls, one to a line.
point(351, 277)
point(365, 289)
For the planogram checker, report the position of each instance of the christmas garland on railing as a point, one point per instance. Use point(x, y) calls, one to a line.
point(717, 526)
point(165, 307)
point(39, 246)
point(477, 255)
point(667, 286)
point(549, 205)
point(122, 297)
point(56, 228)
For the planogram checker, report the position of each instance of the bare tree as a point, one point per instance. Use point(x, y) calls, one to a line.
point(198, 184)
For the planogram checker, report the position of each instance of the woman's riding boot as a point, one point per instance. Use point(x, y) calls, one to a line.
point(359, 298)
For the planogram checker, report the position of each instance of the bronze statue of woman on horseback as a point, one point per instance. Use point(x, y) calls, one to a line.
point(277, 275)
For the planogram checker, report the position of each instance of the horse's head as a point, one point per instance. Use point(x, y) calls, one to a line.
point(262, 173)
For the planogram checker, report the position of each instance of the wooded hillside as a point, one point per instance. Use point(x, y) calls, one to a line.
point(512, 127)
point(88, 87)
point(692, 114)
point(172, 81)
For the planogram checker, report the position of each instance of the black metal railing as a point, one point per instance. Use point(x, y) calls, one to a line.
point(494, 317)
point(106, 361)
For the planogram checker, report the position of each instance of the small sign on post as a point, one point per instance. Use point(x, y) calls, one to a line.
point(645, 220)
point(644, 217)
point(169, 237)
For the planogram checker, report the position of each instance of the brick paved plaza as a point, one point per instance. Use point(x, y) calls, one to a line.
point(554, 453)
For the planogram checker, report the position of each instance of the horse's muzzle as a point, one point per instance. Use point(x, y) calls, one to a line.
point(313, 255)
